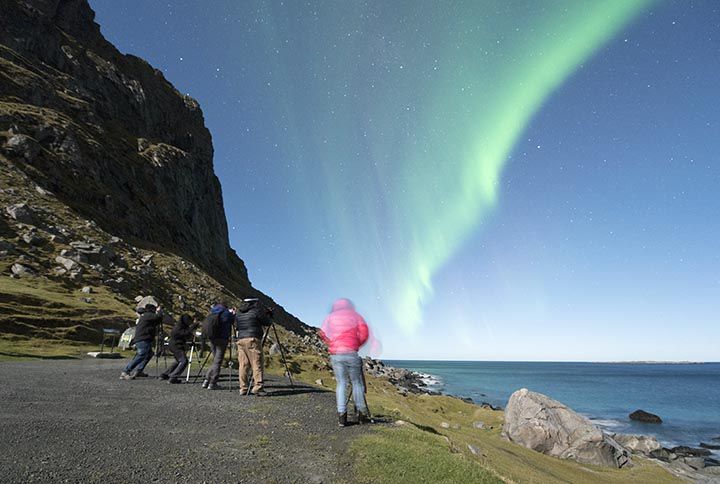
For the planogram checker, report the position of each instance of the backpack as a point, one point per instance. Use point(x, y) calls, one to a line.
point(211, 326)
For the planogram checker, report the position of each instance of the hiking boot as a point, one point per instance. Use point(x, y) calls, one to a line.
point(362, 418)
point(205, 383)
point(163, 376)
point(126, 376)
point(140, 374)
point(260, 393)
point(342, 419)
point(214, 386)
point(174, 380)
point(243, 392)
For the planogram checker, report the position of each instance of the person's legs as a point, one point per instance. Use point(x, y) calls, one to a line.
point(358, 386)
point(142, 348)
point(341, 377)
point(180, 362)
point(243, 364)
point(218, 347)
point(255, 357)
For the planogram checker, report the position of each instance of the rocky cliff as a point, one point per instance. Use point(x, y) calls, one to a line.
point(104, 135)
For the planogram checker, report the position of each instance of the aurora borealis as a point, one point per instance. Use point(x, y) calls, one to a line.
point(491, 168)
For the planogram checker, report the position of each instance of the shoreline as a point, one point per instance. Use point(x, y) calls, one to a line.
point(605, 422)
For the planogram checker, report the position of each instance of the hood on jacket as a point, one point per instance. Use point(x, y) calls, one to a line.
point(342, 304)
point(248, 304)
point(217, 308)
point(185, 320)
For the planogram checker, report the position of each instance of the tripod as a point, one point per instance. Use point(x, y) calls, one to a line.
point(159, 346)
point(282, 355)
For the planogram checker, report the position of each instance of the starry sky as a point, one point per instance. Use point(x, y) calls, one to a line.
point(485, 179)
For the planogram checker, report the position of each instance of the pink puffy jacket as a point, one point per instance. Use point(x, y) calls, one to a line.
point(344, 330)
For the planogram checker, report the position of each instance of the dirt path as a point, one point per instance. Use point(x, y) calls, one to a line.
point(75, 421)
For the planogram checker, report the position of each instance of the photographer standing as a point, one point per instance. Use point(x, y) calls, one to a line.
point(150, 319)
point(217, 327)
point(181, 332)
point(345, 331)
point(250, 318)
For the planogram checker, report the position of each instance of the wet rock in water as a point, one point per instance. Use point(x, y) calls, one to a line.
point(643, 416)
point(22, 213)
point(540, 423)
point(638, 444)
point(685, 451)
point(467, 399)
point(710, 446)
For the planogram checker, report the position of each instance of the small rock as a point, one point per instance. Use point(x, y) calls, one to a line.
point(32, 239)
point(138, 299)
point(445, 425)
point(455, 426)
point(69, 264)
point(22, 145)
point(21, 213)
point(479, 425)
point(57, 239)
point(709, 446)
point(142, 144)
point(274, 349)
point(400, 423)
point(643, 416)
point(319, 382)
point(474, 450)
point(42, 191)
point(87, 290)
point(21, 270)
point(696, 463)
point(637, 444)
point(87, 300)
point(685, 451)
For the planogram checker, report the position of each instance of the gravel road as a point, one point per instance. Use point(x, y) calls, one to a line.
point(75, 421)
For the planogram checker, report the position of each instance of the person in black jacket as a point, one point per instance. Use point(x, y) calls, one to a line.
point(250, 318)
point(218, 343)
point(145, 332)
point(180, 334)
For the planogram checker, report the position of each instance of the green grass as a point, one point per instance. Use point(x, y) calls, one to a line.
point(409, 455)
point(18, 348)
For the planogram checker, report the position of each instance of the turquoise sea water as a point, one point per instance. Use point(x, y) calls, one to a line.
point(685, 396)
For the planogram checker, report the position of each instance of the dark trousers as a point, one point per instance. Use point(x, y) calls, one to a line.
point(217, 348)
point(181, 361)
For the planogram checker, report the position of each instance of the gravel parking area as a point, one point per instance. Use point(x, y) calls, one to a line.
point(75, 421)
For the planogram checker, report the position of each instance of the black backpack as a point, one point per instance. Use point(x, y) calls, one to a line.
point(211, 325)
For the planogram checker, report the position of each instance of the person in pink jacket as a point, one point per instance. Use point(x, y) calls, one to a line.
point(345, 331)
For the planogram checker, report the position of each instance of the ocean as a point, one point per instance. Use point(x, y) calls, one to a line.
point(685, 396)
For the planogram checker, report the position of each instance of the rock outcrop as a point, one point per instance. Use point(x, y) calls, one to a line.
point(538, 422)
point(643, 416)
point(107, 136)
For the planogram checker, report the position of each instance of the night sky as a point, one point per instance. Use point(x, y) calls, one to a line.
point(486, 180)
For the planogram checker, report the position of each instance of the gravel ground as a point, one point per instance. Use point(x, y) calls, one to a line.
point(75, 421)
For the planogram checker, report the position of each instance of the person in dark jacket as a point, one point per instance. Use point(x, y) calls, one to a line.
point(249, 321)
point(145, 331)
point(179, 336)
point(218, 343)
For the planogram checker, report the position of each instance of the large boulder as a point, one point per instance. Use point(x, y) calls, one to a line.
point(538, 422)
point(643, 416)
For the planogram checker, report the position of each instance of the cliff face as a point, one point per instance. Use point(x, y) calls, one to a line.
point(106, 135)
point(112, 137)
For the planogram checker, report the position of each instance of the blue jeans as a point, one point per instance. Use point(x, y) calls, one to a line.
point(348, 366)
point(142, 357)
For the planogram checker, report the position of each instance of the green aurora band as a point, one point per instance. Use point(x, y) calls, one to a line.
point(406, 161)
